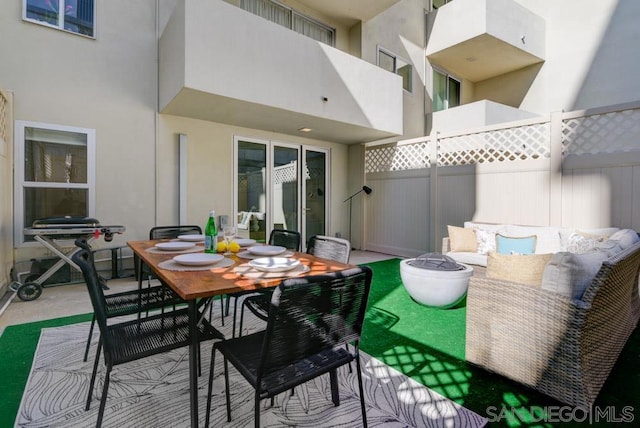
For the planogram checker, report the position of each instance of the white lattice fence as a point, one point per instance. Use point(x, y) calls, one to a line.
point(4, 105)
point(617, 131)
point(501, 145)
point(519, 182)
point(397, 158)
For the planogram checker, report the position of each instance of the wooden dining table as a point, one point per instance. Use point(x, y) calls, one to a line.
point(194, 285)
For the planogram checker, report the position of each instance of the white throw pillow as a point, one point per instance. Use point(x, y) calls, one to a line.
point(548, 238)
point(486, 241)
point(625, 238)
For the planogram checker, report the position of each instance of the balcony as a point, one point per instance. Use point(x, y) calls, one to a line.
point(476, 115)
point(222, 64)
point(480, 39)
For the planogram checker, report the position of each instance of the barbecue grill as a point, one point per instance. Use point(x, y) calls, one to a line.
point(47, 231)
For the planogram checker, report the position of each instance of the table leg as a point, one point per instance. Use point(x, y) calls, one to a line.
point(193, 361)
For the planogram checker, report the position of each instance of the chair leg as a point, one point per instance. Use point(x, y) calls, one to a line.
point(235, 311)
point(241, 321)
point(86, 351)
point(226, 388)
point(93, 375)
point(361, 390)
point(228, 304)
point(256, 411)
point(103, 399)
point(209, 391)
point(335, 396)
point(222, 309)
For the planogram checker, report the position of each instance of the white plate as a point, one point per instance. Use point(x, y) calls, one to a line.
point(274, 264)
point(191, 238)
point(198, 259)
point(245, 242)
point(266, 250)
point(175, 245)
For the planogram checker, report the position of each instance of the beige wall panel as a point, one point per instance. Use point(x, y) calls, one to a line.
point(601, 197)
point(591, 56)
point(107, 84)
point(397, 214)
point(6, 189)
point(401, 30)
point(513, 197)
point(456, 199)
point(210, 169)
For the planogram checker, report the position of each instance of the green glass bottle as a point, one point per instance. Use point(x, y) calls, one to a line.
point(211, 234)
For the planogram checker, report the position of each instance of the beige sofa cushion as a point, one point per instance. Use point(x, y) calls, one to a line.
point(462, 239)
point(521, 268)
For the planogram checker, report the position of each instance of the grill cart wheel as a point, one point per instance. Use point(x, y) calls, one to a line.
point(29, 291)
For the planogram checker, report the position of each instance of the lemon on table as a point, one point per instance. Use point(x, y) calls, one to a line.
point(234, 247)
point(222, 247)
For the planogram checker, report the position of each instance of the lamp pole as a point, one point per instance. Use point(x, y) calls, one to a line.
point(364, 189)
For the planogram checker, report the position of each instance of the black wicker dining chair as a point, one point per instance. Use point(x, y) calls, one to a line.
point(309, 319)
point(289, 239)
point(135, 339)
point(325, 247)
point(129, 302)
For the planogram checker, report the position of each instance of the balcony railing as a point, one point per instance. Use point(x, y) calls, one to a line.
point(223, 64)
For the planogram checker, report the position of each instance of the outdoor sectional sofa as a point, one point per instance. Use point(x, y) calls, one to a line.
point(559, 325)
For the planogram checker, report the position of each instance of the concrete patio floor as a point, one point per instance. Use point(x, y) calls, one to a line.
point(73, 299)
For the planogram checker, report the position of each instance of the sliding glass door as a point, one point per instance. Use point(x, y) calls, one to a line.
point(315, 191)
point(270, 181)
point(286, 187)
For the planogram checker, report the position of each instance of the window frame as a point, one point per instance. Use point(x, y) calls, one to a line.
point(61, 19)
point(20, 184)
point(448, 77)
point(396, 59)
point(293, 13)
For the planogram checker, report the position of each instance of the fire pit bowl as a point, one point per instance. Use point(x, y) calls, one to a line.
point(435, 280)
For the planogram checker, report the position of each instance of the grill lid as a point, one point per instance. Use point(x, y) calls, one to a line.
point(66, 222)
point(436, 261)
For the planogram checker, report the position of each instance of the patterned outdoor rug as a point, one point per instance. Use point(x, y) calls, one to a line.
point(154, 392)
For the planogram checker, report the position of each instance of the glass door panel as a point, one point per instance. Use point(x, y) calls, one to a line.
point(285, 191)
point(315, 190)
point(251, 190)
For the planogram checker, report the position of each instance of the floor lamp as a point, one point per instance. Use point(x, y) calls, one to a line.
point(364, 189)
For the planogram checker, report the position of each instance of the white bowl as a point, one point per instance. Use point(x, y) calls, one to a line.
point(443, 289)
point(175, 245)
point(274, 264)
point(266, 250)
point(198, 259)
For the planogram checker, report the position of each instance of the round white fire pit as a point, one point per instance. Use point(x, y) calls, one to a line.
point(435, 280)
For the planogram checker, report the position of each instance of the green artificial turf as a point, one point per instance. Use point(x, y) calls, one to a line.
point(428, 345)
point(17, 347)
point(424, 343)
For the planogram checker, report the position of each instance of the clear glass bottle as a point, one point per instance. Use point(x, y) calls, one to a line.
point(211, 234)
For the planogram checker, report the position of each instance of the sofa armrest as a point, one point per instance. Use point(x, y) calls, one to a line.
point(446, 245)
point(530, 335)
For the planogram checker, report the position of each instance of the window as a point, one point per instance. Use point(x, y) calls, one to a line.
point(446, 91)
point(289, 18)
point(397, 65)
point(54, 173)
point(438, 3)
point(76, 16)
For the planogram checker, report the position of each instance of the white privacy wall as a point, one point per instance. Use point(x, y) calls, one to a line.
point(560, 171)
